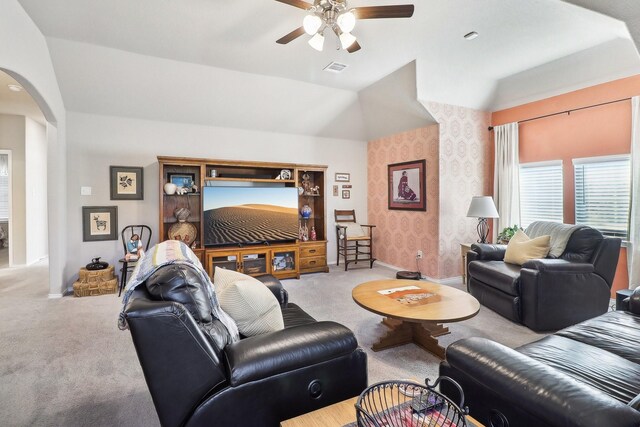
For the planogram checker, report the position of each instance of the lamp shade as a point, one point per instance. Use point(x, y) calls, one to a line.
point(482, 207)
point(311, 24)
point(317, 42)
point(347, 39)
point(347, 21)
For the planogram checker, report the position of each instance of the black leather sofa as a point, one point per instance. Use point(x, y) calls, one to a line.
point(585, 375)
point(197, 378)
point(547, 294)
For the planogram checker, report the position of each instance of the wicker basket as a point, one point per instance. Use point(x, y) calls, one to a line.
point(95, 282)
point(408, 404)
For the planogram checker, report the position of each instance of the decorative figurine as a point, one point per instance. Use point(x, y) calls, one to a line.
point(306, 211)
point(313, 235)
point(134, 248)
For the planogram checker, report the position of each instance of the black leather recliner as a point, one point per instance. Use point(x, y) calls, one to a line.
point(196, 378)
point(547, 294)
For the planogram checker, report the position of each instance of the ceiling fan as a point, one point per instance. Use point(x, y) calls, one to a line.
point(336, 16)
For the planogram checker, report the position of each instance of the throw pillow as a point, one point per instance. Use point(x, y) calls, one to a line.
point(252, 306)
point(248, 301)
point(223, 278)
point(522, 249)
point(354, 229)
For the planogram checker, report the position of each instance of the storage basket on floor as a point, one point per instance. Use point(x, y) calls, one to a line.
point(95, 282)
point(408, 404)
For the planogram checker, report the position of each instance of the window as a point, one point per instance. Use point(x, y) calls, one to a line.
point(540, 192)
point(603, 188)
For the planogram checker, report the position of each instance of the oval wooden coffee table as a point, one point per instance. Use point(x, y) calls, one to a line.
point(415, 315)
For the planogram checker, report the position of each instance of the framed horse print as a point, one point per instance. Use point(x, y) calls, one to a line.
point(407, 186)
point(99, 223)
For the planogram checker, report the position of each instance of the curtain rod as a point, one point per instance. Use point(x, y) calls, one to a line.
point(569, 111)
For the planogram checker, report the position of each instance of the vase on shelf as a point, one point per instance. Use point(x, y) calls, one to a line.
point(313, 235)
point(170, 188)
point(306, 211)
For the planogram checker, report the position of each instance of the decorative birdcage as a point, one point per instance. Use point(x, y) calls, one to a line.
point(409, 404)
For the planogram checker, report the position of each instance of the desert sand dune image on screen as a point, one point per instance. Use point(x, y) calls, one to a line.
point(250, 223)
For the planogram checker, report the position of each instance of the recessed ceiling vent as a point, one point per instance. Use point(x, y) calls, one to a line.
point(335, 67)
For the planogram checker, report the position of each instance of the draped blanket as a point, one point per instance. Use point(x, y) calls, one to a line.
point(173, 252)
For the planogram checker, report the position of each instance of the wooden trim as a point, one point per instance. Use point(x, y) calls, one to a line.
point(198, 161)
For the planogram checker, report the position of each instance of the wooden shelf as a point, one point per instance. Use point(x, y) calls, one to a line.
point(230, 172)
point(221, 178)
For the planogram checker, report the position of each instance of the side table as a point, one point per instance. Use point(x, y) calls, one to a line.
point(464, 248)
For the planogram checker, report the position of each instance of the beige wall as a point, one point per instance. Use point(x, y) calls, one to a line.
point(35, 190)
point(12, 136)
point(97, 142)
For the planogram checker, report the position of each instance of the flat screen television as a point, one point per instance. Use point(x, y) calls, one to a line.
point(249, 215)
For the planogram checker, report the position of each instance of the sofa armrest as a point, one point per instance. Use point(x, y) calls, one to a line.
point(263, 356)
point(488, 252)
point(559, 266)
point(276, 288)
point(535, 388)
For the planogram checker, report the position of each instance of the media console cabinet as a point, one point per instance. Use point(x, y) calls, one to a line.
point(283, 260)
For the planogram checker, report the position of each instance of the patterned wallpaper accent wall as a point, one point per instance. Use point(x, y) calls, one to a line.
point(399, 234)
point(458, 167)
point(465, 167)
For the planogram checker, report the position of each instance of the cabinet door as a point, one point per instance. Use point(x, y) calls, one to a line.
point(284, 262)
point(227, 260)
point(255, 261)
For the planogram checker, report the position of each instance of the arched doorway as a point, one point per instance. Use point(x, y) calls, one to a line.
point(23, 176)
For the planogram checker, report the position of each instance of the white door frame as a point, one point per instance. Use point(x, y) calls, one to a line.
point(10, 230)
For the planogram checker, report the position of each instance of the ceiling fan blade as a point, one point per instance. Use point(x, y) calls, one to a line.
point(355, 46)
point(395, 11)
point(297, 3)
point(291, 36)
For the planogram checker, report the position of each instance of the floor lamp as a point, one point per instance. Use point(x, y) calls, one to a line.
point(483, 208)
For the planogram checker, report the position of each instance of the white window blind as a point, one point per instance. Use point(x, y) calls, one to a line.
point(603, 188)
point(540, 192)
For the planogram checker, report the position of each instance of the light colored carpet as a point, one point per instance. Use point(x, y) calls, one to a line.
point(63, 362)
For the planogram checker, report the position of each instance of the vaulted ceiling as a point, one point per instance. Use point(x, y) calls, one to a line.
point(520, 55)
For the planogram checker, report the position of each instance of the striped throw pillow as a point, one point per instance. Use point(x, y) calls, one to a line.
point(249, 302)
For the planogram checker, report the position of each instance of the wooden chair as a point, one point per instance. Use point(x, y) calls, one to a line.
point(144, 231)
point(354, 243)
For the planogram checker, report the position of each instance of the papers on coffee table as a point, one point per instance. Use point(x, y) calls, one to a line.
point(410, 295)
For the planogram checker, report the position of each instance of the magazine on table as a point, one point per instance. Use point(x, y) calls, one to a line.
point(410, 295)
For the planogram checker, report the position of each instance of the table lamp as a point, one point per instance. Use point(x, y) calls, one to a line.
point(482, 207)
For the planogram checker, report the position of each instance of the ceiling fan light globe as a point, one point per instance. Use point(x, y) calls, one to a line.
point(347, 39)
point(311, 24)
point(347, 21)
point(317, 42)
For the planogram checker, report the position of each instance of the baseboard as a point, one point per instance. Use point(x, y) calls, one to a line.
point(54, 296)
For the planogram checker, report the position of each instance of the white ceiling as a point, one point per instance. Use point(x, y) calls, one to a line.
point(515, 35)
point(520, 55)
point(18, 103)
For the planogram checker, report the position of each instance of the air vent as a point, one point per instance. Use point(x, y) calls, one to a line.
point(335, 67)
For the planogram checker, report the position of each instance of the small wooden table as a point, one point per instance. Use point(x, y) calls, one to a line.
point(419, 323)
point(464, 248)
point(336, 415)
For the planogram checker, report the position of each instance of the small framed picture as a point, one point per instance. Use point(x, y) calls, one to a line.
point(182, 180)
point(126, 183)
point(346, 194)
point(407, 186)
point(99, 223)
point(335, 190)
point(347, 186)
point(343, 177)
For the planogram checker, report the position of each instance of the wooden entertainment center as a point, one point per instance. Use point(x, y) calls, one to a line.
point(283, 260)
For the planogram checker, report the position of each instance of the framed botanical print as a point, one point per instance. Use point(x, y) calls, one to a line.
point(127, 183)
point(99, 223)
point(407, 186)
